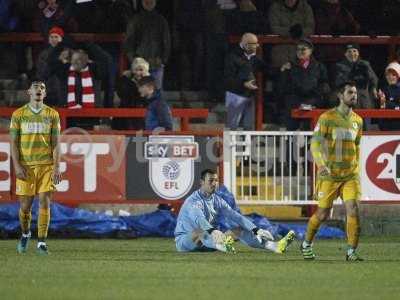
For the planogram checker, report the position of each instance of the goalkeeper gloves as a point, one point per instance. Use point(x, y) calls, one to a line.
point(263, 235)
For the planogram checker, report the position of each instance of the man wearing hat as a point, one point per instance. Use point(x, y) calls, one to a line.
point(55, 37)
point(304, 81)
point(353, 68)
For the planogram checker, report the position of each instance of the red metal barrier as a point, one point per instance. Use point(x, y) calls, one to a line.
point(314, 114)
point(185, 114)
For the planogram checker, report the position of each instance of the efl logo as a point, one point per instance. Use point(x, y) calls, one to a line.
point(171, 165)
point(383, 167)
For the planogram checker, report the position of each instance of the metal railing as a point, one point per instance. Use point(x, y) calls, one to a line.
point(184, 114)
point(269, 167)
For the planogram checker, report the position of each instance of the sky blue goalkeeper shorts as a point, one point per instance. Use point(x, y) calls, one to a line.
point(184, 243)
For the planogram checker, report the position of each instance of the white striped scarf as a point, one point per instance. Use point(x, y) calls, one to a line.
point(87, 88)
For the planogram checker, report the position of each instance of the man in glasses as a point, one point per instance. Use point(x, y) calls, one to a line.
point(240, 83)
point(304, 83)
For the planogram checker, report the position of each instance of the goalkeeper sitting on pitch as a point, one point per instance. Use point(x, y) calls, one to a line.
point(195, 229)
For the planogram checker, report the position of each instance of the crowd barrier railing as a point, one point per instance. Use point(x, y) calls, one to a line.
point(314, 114)
point(184, 114)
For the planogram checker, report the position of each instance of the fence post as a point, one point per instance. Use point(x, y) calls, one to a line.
point(259, 105)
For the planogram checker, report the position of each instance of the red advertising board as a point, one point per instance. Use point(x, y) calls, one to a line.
point(93, 168)
point(5, 167)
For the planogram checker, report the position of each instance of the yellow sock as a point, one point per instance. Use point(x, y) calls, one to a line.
point(43, 222)
point(353, 231)
point(25, 221)
point(312, 228)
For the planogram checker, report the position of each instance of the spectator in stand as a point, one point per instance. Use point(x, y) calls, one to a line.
point(289, 18)
point(240, 67)
point(127, 86)
point(247, 19)
point(304, 83)
point(148, 36)
point(389, 96)
point(332, 18)
point(128, 92)
point(55, 13)
point(158, 113)
point(53, 96)
point(353, 68)
point(80, 77)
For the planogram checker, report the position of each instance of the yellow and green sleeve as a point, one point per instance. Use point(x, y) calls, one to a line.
point(318, 141)
point(15, 127)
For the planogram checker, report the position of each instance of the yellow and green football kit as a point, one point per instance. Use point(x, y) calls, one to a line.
point(33, 131)
point(336, 145)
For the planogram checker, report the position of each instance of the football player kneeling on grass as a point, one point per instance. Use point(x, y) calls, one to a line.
point(196, 231)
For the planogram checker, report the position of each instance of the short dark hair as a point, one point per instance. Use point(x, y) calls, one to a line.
point(204, 173)
point(342, 87)
point(37, 81)
point(147, 80)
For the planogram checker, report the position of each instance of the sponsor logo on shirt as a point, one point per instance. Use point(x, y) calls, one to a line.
point(34, 127)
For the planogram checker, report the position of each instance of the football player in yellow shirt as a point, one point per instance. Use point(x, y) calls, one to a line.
point(335, 147)
point(34, 132)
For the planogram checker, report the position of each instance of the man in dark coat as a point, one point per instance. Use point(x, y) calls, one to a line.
point(353, 68)
point(239, 73)
point(304, 82)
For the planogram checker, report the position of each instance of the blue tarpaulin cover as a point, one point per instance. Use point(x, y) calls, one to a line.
point(75, 221)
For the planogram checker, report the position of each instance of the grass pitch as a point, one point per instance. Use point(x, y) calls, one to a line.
point(149, 268)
